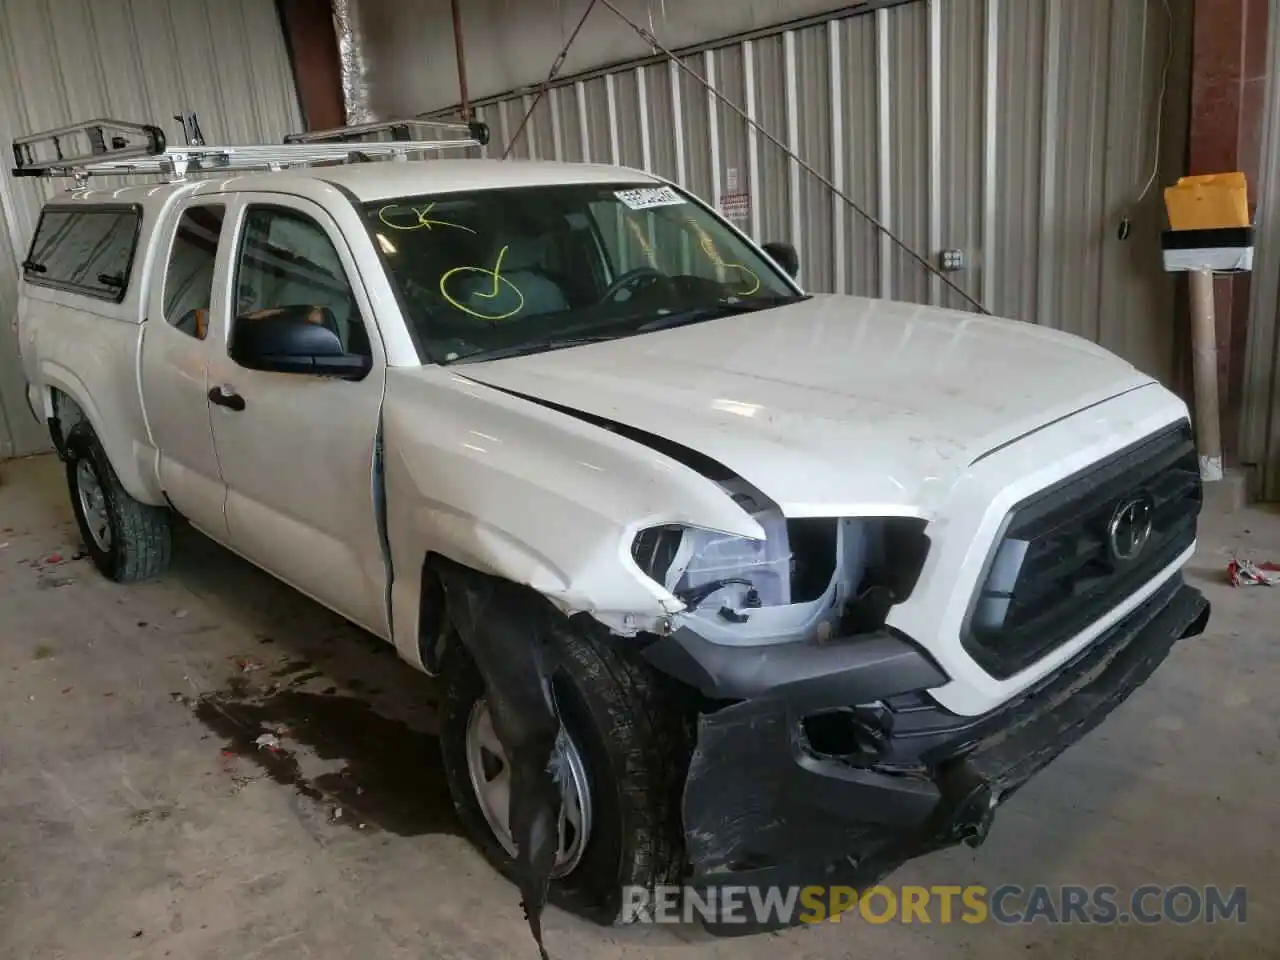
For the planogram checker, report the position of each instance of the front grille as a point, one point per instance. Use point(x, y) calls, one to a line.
point(1057, 568)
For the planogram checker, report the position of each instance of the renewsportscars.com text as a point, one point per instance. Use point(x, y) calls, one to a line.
point(1006, 904)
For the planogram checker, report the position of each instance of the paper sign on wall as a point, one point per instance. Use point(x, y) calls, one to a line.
point(642, 198)
point(735, 206)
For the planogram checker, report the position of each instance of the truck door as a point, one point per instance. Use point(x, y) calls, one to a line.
point(175, 358)
point(298, 450)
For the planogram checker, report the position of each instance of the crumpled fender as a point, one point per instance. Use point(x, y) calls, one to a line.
point(525, 513)
point(503, 626)
point(533, 495)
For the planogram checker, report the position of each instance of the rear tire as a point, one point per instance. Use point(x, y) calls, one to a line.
point(631, 729)
point(128, 540)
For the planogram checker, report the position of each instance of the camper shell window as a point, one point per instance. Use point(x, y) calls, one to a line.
point(85, 249)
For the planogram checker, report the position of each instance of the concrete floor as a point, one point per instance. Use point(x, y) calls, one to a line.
point(132, 824)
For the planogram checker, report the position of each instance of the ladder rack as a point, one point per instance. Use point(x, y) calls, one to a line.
point(117, 148)
point(393, 131)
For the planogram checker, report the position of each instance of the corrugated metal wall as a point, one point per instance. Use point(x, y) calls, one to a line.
point(1020, 132)
point(1260, 429)
point(408, 48)
point(143, 60)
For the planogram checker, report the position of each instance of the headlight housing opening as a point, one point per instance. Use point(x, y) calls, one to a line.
point(860, 566)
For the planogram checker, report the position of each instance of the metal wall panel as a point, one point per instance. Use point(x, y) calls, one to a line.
point(1260, 430)
point(767, 166)
point(1020, 132)
point(657, 86)
point(960, 127)
point(855, 151)
point(696, 107)
point(142, 60)
point(626, 96)
point(808, 61)
point(908, 147)
point(1013, 251)
point(409, 47)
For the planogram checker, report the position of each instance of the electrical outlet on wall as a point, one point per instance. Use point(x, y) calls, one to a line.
point(951, 260)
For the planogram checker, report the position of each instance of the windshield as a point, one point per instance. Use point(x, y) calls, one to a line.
point(504, 272)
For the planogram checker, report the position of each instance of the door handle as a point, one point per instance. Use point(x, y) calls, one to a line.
point(225, 396)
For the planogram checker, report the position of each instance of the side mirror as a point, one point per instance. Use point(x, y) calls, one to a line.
point(294, 339)
point(784, 255)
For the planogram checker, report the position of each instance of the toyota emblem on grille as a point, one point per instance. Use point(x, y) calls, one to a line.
point(1130, 528)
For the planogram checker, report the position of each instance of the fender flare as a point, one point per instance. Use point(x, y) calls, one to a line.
point(120, 450)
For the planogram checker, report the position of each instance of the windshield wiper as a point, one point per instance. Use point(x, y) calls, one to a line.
point(537, 346)
point(722, 308)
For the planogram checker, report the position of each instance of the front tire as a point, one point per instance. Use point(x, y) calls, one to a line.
point(630, 730)
point(128, 540)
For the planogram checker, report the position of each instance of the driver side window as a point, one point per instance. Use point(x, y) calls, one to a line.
point(287, 260)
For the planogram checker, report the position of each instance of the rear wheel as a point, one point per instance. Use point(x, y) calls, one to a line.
point(624, 756)
point(127, 540)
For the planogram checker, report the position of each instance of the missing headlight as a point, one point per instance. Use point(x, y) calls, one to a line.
point(655, 549)
point(905, 546)
point(896, 551)
point(815, 543)
point(806, 555)
point(806, 579)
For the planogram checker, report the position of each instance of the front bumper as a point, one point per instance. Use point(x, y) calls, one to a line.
point(762, 806)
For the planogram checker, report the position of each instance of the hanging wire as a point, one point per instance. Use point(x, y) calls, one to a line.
point(551, 75)
point(1126, 221)
point(1164, 86)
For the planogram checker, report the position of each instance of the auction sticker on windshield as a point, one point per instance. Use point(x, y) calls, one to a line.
point(642, 198)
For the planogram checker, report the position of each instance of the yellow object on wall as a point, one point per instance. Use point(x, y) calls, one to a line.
point(1208, 202)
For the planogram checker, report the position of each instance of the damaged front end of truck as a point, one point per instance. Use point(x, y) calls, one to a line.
point(846, 768)
point(819, 757)
point(792, 620)
point(821, 751)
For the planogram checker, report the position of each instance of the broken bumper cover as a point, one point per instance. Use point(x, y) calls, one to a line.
point(763, 806)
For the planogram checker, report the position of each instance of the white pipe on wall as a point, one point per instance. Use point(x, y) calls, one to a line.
point(1204, 365)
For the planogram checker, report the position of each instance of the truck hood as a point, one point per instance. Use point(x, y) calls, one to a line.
point(836, 406)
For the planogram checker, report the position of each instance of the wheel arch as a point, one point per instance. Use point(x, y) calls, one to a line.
point(67, 403)
point(433, 631)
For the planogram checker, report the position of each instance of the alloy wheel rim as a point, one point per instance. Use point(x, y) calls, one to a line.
point(93, 505)
point(491, 780)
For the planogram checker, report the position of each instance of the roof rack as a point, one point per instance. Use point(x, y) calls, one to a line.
point(117, 148)
point(394, 131)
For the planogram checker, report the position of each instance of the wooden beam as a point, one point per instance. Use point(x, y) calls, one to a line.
point(313, 55)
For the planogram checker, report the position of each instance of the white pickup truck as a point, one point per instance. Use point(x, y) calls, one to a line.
point(726, 582)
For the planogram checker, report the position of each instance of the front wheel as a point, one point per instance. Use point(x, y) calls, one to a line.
point(127, 540)
point(623, 759)
point(490, 776)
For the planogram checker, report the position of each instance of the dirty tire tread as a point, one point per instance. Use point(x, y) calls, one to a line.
point(643, 723)
point(141, 536)
point(651, 719)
